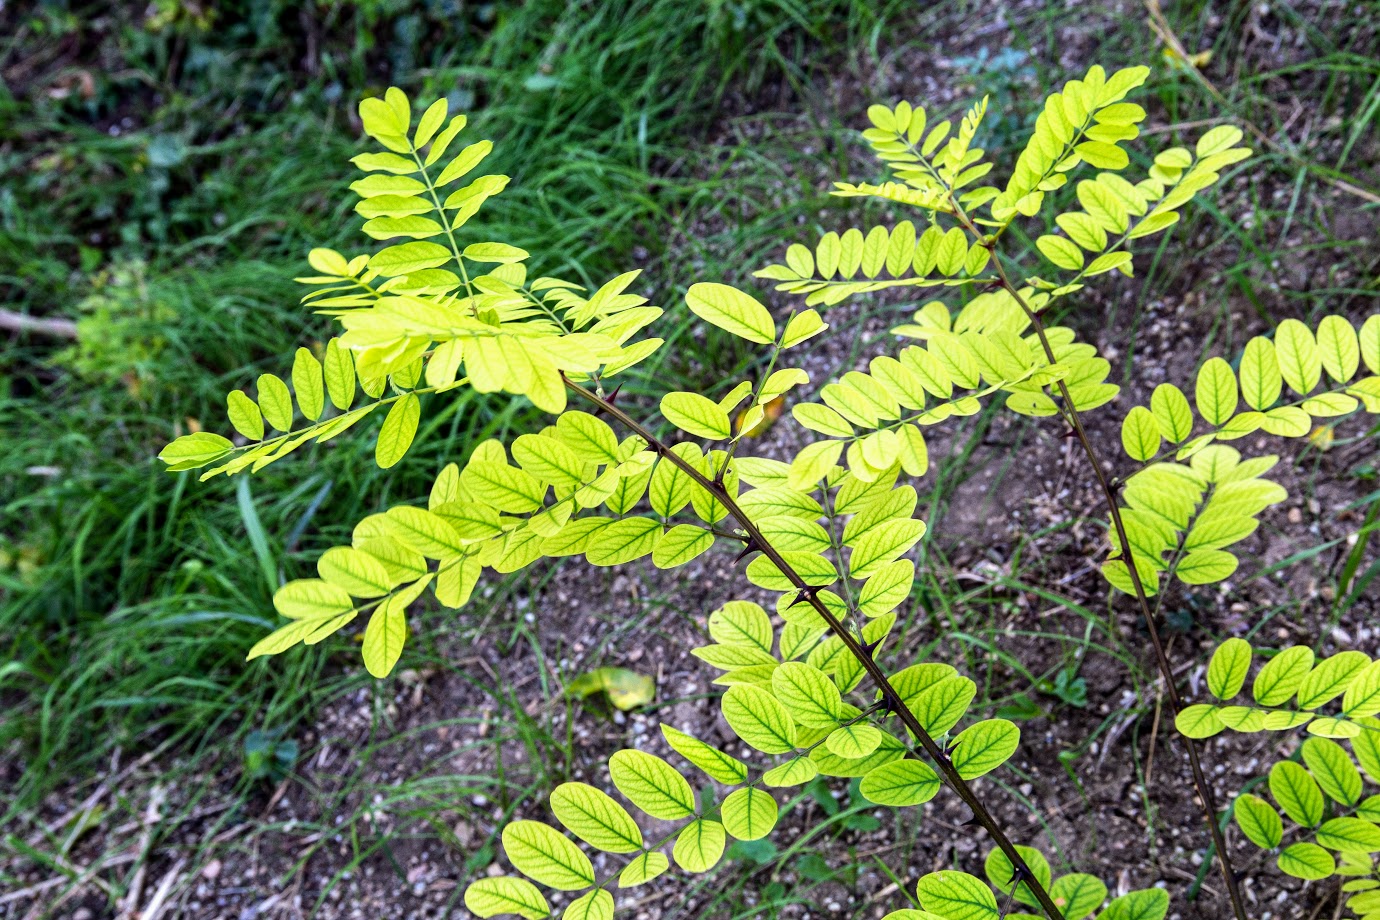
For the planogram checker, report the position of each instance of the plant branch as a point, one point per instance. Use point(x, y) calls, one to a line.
point(863, 654)
point(1200, 781)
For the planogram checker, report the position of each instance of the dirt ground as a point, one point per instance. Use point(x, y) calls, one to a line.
point(387, 814)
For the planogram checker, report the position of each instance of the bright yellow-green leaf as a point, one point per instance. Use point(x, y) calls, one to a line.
point(713, 762)
point(1172, 413)
point(595, 818)
point(1228, 669)
point(592, 905)
point(900, 783)
point(1297, 793)
point(357, 572)
point(1140, 434)
point(1216, 391)
point(1306, 861)
point(983, 746)
point(643, 869)
point(399, 428)
point(1258, 821)
point(759, 719)
point(275, 401)
point(652, 784)
point(749, 814)
point(490, 897)
point(697, 415)
point(731, 310)
point(1199, 721)
point(547, 856)
point(700, 845)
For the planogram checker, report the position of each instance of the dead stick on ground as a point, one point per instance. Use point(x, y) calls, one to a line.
point(22, 322)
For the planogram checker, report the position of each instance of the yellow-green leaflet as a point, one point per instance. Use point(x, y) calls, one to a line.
point(490, 897)
point(731, 310)
point(700, 845)
point(399, 428)
point(696, 414)
point(900, 783)
point(652, 785)
point(546, 856)
point(1228, 669)
point(275, 402)
point(983, 746)
point(595, 818)
point(245, 415)
point(593, 905)
point(749, 814)
point(759, 719)
point(714, 763)
point(355, 571)
point(307, 382)
point(958, 895)
point(1258, 821)
point(643, 869)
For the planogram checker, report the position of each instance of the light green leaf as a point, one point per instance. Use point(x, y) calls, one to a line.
point(795, 772)
point(1228, 669)
point(749, 814)
point(340, 374)
point(957, 896)
point(1198, 721)
point(1335, 772)
point(1171, 410)
point(1331, 678)
point(697, 415)
point(680, 545)
point(406, 258)
point(940, 706)
point(643, 869)
point(699, 846)
point(623, 541)
point(311, 599)
point(652, 784)
point(1296, 792)
point(275, 401)
point(983, 746)
point(1216, 391)
point(494, 252)
point(1363, 694)
point(489, 897)
point(759, 719)
point(1306, 861)
point(398, 430)
point(1339, 348)
point(1282, 676)
point(1206, 566)
point(809, 695)
point(547, 856)
point(1261, 381)
point(900, 783)
point(1258, 821)
point(1078, 894)
point(1146, 904)
point(713, 762)
point(385, 636)
point(802, 326)
point(853, 741)
point(731, 310)
point(245, 415)
point(1140, 434)
point(593, 905)
point(595, 818)
point(1349, 835)
point(1299, 359)
point(354, 570)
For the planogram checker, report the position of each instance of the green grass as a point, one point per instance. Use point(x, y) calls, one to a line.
point(128, 597)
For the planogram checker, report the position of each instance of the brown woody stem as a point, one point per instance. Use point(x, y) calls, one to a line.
point(1200, 781)
point(859, 651)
